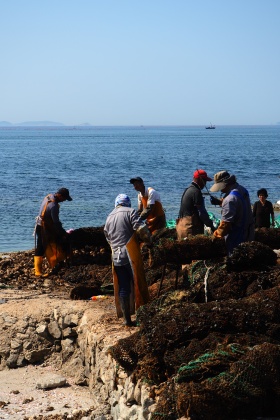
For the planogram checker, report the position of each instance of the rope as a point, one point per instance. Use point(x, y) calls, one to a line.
point(205, 281)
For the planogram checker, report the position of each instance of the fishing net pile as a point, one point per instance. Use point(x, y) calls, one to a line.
point(212, 349)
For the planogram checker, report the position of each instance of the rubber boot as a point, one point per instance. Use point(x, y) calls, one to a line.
point(38, 262)
point(125, 306)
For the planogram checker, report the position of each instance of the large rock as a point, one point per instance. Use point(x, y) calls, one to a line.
point(50, 382)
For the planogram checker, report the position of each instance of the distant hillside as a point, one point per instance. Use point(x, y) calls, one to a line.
point(31, 124)
point(39, 124)
point(5, 124)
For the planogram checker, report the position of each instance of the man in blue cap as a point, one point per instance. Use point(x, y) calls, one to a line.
point(130, 287)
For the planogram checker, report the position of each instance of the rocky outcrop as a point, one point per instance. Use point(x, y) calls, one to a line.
point(33, 336)
point(76, 336)
point(113, 390)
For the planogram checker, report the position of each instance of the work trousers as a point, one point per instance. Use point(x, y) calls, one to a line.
point(39, 250)
point(125, 279)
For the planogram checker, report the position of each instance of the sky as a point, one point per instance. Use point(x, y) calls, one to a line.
point(140, 62)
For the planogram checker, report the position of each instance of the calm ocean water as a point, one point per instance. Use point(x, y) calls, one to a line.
point(96, 163)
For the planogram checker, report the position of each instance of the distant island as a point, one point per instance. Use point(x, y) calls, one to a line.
point(39, 124)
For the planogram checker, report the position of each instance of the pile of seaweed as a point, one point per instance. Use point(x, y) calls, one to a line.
point(81, 276)
point(211, 349)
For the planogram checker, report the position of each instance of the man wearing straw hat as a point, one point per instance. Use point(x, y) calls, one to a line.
point(237, 223)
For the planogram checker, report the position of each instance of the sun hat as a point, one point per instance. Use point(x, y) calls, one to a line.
point(65, 193)
point(222, 179)
point(200, 173)
point(137, 178)
point(122, 200)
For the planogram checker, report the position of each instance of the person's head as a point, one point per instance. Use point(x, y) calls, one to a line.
point(200, 177)
point(63, 194)
point(262, 193)
point(223, 182)
point(138, 183)
point(122, 200)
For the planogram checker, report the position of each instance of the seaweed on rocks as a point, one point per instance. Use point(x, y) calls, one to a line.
point(268, 236)
point(89, 266)
point(212, 350)
point(251, 255)
point(208, 343)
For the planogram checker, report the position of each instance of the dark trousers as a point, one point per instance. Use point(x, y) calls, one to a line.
point(125, 279)
point(39, 249)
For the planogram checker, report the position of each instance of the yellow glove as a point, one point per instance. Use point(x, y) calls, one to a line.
point(223, 229)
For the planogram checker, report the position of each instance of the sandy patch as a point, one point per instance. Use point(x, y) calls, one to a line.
point(19, 397)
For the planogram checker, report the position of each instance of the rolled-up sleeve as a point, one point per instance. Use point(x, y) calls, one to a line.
point(136, 221)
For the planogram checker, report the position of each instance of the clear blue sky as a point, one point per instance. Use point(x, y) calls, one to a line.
point(140, 62)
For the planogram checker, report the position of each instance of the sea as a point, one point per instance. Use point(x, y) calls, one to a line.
point(96, 164)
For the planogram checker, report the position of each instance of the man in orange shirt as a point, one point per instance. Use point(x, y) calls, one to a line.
point(149, 205)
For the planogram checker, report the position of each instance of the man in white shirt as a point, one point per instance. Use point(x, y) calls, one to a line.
point(149, 205)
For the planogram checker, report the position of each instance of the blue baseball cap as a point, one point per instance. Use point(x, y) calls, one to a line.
point(122, 200)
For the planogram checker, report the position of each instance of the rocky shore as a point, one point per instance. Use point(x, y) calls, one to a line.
point(54, 362)
point(53, 356)
point(63, 356)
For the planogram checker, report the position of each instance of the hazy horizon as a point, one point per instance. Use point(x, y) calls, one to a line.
point(85, 125)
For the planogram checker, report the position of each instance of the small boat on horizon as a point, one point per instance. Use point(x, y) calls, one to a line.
point(210, 127)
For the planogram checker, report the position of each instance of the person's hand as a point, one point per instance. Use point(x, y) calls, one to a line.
point(215, 201)
point(144, 234)
point(223, 229)
point(217, 234)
